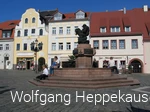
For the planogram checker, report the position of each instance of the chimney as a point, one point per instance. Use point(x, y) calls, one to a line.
point(124, 10)
point(145, 8)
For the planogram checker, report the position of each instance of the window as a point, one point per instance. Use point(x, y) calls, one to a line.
point(18, 34)
point(113, 44)
point(75, 44)
point(121, 44)
point(26, 20)
point(134, 44)
point(53, 46)
point(80, 15)
point(7, 47)
point(60, 46)
point(105, 44)
point(127, 29)
point(75, 27)
point(58, 16)
point(25, 46)
point(18, 47)
point(96, 44)
point(6, 33)
point(25, 32)
point(68, 46)
point(68, 30)
point(60, 30)
point(33, 20)
point(115, 29)
point(103, 29)
point(41, 32)
point(54, 30)
point(33, 31)
point(1, 46)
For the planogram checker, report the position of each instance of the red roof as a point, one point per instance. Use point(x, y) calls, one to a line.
point(8, 25)
point(72, 16)
point(137, 19)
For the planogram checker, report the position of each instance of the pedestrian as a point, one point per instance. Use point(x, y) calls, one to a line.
point(95, 63)
point(112, 65)
point(44, 74)
point(105, 64)
point(55, 64)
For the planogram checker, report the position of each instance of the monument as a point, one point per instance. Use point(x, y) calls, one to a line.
point(83, 52)
point(83, 75)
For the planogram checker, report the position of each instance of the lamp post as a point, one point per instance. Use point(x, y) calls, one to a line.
point(36, 47)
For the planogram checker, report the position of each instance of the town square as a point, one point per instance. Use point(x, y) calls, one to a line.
point(75, 58)
point(12, 81)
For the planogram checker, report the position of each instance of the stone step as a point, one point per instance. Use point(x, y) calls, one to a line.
point(85, 82)
point(39, 83)
point(88, 79)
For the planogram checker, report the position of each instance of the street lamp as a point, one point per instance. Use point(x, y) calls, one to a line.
point(36, 47)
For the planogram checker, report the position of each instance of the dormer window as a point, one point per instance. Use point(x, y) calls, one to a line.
point(103, 29)
point(115, 29)
point(127, 29)
point(80, 15)
point(58, 16)
point(6, 33)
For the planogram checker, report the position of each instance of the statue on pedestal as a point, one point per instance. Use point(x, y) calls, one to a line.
point(82, 39)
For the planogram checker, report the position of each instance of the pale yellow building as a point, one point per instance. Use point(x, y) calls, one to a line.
point(31, 27)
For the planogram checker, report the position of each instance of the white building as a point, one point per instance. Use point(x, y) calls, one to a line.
point(62, 37)
point(123, 35)
point(125, 50)
point(6, 44)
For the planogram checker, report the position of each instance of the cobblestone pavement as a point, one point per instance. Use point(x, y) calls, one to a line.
point(13, 80)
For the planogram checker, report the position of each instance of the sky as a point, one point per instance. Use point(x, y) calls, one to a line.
point(13, 9)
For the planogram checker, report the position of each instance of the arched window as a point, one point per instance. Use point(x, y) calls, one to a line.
point(26, 20)
point(33, 20)
point(41, 32)
point(18, 34)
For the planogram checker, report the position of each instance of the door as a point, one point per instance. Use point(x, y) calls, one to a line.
point(136, 66)
point(28, 65)
point(41, 62)
point(5, 62)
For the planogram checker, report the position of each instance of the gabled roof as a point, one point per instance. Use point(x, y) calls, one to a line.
point(8, 25)
point(79, 10)
point(136, 18)
point(45, 16)
point(48, 13)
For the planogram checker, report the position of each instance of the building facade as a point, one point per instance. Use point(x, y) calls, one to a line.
point(123, 35)
point(6, 43)
point(31, 27)
point(62, 37)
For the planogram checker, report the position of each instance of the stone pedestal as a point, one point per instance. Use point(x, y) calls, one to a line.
point(84, 62)
point(84, 54)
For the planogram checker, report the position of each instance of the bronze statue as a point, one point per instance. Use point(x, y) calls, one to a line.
point(82, 39)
